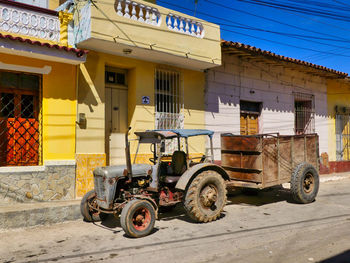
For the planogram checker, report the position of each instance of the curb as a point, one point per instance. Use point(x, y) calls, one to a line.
point(29, 215)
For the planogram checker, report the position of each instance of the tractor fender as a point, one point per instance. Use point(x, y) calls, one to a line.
point(191, 173)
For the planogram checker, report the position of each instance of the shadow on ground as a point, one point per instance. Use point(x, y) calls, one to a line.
point(235, 197)
point(340, 258)
point(256, 197)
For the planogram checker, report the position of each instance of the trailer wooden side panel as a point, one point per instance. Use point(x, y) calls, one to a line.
point(266, 159)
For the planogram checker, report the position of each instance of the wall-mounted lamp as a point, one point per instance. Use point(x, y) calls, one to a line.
point(81, 120)
point(127, 51)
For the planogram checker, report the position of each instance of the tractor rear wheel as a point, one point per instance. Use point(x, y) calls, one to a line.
point(205, 197)
point(137, 218)
point(88, 213)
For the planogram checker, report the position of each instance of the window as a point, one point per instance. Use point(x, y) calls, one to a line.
point(168, 99)
point(115, 76)
point(342, 131)
point(304, 108)
point(19, 119)
point(249, 117)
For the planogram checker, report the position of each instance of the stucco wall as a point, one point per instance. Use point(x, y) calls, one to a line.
point(58, 106)
point(238, 79)
point(338, 94)
point(140, 79)
point(54, 178)
point(91, 99)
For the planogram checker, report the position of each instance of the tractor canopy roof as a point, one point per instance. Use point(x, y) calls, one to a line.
point(154, 136)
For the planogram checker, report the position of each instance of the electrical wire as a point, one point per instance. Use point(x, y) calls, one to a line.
point(256, 37)
point(299, 9)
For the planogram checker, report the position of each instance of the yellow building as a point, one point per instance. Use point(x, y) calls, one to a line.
point(338, 97)
point(38, 104)
point(145, 69)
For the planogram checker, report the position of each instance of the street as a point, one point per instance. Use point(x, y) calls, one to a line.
point(267, 227)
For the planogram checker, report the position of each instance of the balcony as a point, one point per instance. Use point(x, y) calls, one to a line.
point(30, 22)
point(142, 30)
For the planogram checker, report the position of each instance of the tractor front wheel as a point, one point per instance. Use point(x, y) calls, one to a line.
point(205, 197)
point(137, 218)
point(88, 213)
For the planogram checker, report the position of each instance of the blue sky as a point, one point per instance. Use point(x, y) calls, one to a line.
point(306, 37)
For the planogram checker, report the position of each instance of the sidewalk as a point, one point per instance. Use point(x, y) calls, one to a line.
point(334, 177)
point(42, 213)
point(20, 215)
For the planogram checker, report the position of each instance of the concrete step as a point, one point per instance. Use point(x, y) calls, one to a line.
point(43, 213)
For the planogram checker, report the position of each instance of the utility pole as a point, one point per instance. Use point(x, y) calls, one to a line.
point(195, 7)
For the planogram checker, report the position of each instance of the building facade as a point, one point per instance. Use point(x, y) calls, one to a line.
point(38, 105)
point(256, 91)
point(144, 70)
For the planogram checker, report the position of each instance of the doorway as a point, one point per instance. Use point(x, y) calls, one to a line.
point(249, 117)
point(116, 109)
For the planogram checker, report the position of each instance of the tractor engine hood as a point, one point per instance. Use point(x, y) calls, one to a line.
point(106, 178)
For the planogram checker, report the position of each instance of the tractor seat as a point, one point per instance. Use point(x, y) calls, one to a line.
point(178, 167)
point(178, 163)
point(171, 179)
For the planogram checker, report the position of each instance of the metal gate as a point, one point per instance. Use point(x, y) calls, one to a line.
point(342, 131)
point(304, 106)
point(169, 100)
point(19, 119)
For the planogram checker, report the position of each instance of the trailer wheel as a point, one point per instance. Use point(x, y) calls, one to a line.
point(304, 183)
point(86, 211)
point(137, 218)
point(205, 197)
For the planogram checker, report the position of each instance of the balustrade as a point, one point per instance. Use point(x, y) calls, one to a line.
point(185, 25)
point(31, 23)
point(138, 12)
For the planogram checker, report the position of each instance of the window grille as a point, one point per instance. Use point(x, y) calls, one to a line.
point(342, 131)
point(19, 119)
point(169, 100)
point(304, 106)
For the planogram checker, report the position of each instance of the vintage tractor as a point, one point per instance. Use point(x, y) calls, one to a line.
point(137, 191)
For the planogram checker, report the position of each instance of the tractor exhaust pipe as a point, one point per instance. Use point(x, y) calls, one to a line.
point(127, 155)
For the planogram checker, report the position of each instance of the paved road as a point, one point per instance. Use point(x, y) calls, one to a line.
point(268, 227)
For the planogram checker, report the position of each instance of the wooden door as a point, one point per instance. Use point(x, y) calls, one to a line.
point(20, 128)
point(249, 124)
point(116, 124)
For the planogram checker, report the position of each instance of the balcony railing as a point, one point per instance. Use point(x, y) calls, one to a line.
point(138, 12)
point(33, 22)
point(151, 15)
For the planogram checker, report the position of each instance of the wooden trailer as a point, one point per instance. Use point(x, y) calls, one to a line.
point(265, 160)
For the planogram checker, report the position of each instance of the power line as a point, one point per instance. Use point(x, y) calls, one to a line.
point(299, 9)
point(264, 39)
point(274, 20)
point(342, 3)
point(284, 34)
point(289, 45)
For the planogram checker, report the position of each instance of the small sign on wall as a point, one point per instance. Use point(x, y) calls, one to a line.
point(145, 100)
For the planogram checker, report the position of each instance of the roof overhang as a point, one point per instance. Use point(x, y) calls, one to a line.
point(148, 54)
point(258, 55)
point(38, 50)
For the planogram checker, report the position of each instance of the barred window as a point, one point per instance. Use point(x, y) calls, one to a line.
point(19, 119)
point(304, 107)
point(169, 100)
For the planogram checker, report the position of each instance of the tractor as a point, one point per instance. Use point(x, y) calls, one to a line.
point(136, 192)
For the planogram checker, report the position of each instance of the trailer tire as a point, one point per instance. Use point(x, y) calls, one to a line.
point(304, 183)
point(90, 216)
point(137, 218)
point(205, 197)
